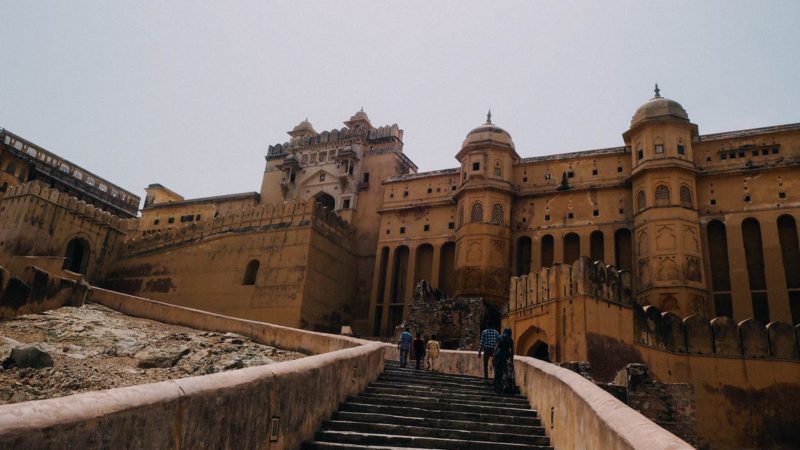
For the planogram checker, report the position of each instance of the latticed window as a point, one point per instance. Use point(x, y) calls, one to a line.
point(662, 195)
point(497, 214)
point(641, 200)
point(476, 215)
point(686, 197)
point(461, 216)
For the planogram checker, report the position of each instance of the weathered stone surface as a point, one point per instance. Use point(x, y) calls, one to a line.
point(755, 343)
point(726, 336)
point(782, 342)
point(161, 357)
point(28, 355)
point(456, 322)
point(698, 335)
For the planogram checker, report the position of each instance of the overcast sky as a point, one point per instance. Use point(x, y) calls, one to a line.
point(189, 94)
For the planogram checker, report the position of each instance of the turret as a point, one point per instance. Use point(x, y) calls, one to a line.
point(484, 199)
point(669, 267)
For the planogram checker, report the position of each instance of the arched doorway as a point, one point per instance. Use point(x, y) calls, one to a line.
point(77, 255)
point(326, 200)
point(540, 350)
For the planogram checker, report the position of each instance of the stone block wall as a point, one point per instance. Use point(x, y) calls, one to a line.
point(36, 291)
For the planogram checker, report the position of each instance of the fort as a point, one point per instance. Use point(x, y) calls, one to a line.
point(672, 260)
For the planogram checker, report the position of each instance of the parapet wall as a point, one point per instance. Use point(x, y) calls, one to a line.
point(260, 218)
point(567, 280)
point(276, 406)
point(15, 194)
point(719, 337)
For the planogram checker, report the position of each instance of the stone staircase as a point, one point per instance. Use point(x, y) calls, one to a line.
point(417, 409)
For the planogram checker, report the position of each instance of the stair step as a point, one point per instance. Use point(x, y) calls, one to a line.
point(447, 422)
point(316, 445)
point(424, 396)
point(443, 383)
point(410, 388)
point(415, 441)
point(418, 384)
point(417, 431)
point(455, 396)
point(438, 414)
point(448, 406)
point(432, 375)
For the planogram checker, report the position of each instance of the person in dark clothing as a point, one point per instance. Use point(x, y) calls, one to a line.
point(419, 349)
point(504, 364)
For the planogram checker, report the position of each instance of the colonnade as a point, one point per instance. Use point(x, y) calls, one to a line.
point(754, 266)
point(400, 268)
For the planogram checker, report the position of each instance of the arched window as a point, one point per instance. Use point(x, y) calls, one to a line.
point(476, 215)
point(686, 197)
point(461, 216)
point(250, 273)
point(754, 258)
point(662, 195)
point(497, 214)
point(641, 200)
point(77, 255)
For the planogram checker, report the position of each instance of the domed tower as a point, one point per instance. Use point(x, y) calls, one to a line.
point(669, 267)
point(484, 200)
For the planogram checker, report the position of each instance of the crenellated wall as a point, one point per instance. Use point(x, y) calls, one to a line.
point(36, 220)
point(746, 376)
point(259, 218)
point(289, 264)
point(720, 336)
point(566, 280)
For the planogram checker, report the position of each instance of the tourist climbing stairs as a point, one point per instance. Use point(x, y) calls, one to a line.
point(417, 409)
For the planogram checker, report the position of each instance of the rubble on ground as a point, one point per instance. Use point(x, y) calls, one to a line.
point(78, 349)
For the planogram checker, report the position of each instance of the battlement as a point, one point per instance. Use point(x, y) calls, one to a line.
point(260, 218)
point(342, 135)
point(583, 277)
point(13, 204)
point(718, 337)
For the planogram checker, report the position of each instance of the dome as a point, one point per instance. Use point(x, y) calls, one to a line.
point(488, 132)
point(304, 128)
point(657, 107)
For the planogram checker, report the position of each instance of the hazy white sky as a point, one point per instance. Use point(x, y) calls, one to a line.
point(190, 94)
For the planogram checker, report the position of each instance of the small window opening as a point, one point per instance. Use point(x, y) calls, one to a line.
point(681, 150)
point(659, 148)
point(476, 166)
point(426, 227)
point(402, 230)
point(250, 273)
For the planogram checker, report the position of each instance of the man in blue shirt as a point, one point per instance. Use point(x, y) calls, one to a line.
point(404, 345)
point(488, 343)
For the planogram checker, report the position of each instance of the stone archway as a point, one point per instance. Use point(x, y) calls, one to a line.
point(77, 255)
point(326, 200)
point(539, 350)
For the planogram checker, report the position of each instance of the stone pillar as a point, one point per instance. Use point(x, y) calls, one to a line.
point(387, 290)
point(777, 292)
point(740, 284)
point(435, 265)
point(609, 247)
point(558, 248)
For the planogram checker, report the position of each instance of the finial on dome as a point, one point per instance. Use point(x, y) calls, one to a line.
point(489, 118)
point(361, 110)
point(306, 119)
point(657, 91)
